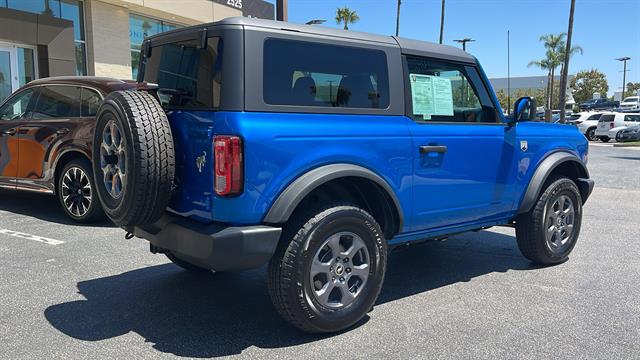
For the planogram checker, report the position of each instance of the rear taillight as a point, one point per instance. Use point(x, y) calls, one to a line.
point(228, 164)
point(611, 125)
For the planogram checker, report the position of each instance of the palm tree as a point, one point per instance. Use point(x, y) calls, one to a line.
point(544, 64)
point(346, 16)
point(552, 43)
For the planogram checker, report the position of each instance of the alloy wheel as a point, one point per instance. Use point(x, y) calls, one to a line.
point(76, 191)
point(339, 270)
point(113, 159)
point(559, 223)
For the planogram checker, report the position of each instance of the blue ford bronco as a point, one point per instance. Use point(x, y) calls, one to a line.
point(317, 151)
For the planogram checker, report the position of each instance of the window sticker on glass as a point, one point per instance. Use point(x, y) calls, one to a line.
point(431, 95)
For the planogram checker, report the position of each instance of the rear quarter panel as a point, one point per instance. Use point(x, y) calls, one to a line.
point(278, 148)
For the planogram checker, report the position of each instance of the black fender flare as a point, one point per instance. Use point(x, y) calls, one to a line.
point(290, 198)
point(546, 167)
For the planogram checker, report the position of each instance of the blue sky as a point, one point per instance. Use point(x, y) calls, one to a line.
point(605, 29)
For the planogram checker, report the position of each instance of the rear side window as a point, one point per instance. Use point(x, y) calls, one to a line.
point(594, 117)
point(632, 118)
point(301, 73)
point(188, 76)
point(91, 101)
point(57, 102)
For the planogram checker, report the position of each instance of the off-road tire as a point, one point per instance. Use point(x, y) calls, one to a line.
point(186, 265)
point(150, 158)
point(530, 232)
point(590, 134)
point(94, 213)
point(288, 280)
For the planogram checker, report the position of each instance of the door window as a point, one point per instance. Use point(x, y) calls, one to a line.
point(16, 107)
point(57, 102)
point(633, 118)
point(447, 92)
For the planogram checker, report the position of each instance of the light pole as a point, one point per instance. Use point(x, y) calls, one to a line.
point(398, 18)
point(624, 74)
point(464, 42)
point(442, 22)
point(282, 10)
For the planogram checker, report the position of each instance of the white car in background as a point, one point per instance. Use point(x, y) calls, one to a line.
point(610, 123)
point(587, 124)
point(631, 103)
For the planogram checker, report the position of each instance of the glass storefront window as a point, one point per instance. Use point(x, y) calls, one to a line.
point(139, 28)
point(65, 9)
point(26, 66)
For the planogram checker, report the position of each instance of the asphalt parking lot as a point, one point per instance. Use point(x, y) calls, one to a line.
point(68, 291)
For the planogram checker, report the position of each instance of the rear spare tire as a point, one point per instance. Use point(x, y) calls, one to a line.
point(133, 158)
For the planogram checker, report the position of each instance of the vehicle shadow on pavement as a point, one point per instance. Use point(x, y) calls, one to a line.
point(40, 206)
point(224, 314)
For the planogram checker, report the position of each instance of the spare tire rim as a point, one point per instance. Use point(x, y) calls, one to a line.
point(339, 270)
point(559, 223)
point(113, 160)
point(76, 191)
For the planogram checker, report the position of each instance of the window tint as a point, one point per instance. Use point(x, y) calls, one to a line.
point(187, 76)
point(57, 102)
point(320, 75)
point(594, 117)
point(16, 107)
point(632, 118)
point(607, 118)
point(91, 101)
point(444, 92)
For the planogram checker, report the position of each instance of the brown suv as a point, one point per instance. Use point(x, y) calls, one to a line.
point(46, 132)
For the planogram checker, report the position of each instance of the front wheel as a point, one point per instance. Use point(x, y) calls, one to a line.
point(619, 136)
point(548, 233)
point(329, 269)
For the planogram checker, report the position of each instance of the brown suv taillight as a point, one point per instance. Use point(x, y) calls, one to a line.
point(228, 164)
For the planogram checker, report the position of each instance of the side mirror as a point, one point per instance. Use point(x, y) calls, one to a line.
point(524, 109)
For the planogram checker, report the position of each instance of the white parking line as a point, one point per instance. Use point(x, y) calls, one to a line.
point(26, 236)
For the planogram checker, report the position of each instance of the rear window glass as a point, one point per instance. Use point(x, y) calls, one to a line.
point(187, 75)
point(91, 101)
point(57, 102)
point(594, 117)
point(320, 75)
point(607, 118)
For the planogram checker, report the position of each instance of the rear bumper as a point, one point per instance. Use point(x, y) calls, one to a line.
point(214, 246)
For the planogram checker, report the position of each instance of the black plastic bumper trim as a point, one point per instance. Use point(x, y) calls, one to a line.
point(214, 246)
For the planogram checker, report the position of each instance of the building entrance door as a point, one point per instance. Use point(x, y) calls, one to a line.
point(17, 67)
point(8, 71)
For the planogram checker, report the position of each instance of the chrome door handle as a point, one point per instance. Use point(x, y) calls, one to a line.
point(9, 132)
point(425, 149)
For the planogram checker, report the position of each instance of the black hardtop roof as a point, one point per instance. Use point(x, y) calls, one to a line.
point(408, 46)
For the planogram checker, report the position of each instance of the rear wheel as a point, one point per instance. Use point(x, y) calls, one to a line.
point(548, 233)
point(328, 271)
point(604, 139)
point(77, 193)
point(591, 134)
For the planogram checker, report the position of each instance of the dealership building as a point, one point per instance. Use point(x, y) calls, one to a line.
point(40, 38)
